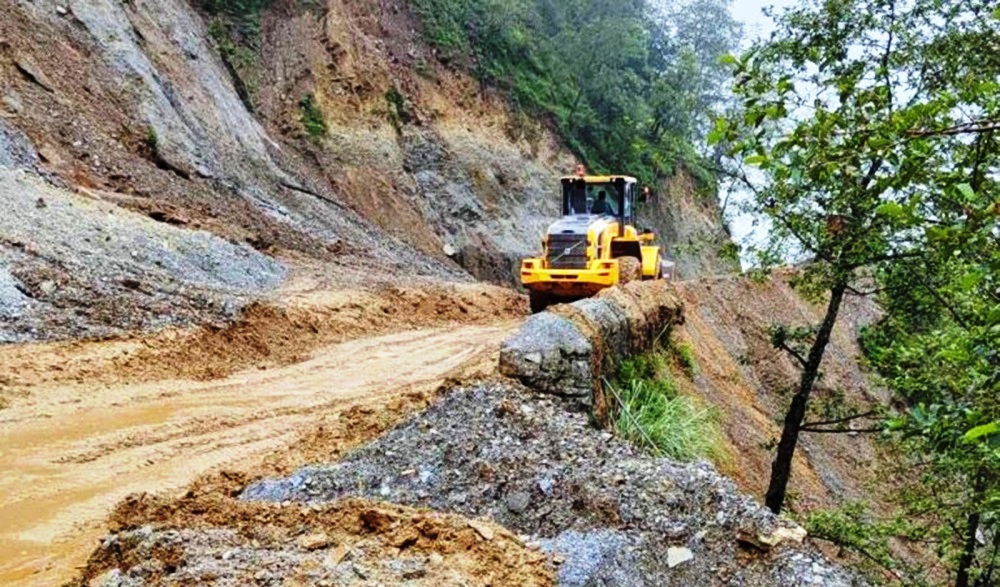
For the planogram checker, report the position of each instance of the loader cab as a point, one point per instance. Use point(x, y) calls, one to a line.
point(580, 193)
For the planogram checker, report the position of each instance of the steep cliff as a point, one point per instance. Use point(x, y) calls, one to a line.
point(319, 131)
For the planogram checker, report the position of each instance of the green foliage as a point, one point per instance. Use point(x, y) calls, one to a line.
point(627, 92)
point(652, 413)
point(240, 8)
point(399, 112)
point(874, 126)
point(683, 355)
point(312, 117)
point(855, 528)
point(234, 28)
point(151, 142)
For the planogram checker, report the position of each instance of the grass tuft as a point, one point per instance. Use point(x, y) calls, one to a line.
point(651, 412)
point(312, 117)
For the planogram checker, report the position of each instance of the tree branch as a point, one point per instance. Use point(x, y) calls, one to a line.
point(850, 418)
point(840, 430)
point(974, 127)
point(796, 354)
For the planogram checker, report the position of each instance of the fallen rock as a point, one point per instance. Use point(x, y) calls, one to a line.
point(482, 529)
point(678, 555)
point(314, 541)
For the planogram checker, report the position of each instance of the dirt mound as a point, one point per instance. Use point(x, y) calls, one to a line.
point(611, 514)
point(215, 539)
point(268, 334)
point(87, 446)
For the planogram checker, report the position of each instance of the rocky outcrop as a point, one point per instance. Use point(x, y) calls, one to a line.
point(568, 350)
point(691, 226)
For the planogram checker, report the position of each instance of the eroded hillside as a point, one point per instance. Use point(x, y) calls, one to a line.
point(333, 133)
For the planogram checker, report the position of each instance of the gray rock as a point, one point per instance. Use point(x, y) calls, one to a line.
point(551, 354)
point(16, 150)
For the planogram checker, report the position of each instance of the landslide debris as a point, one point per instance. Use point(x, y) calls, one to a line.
point(608, 513)
point(79, 267)
point(267, 334)
point(225, 542)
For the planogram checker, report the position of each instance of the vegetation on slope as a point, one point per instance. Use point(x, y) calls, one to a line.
point(875, 124)
point(651, 411)
point(630, 85)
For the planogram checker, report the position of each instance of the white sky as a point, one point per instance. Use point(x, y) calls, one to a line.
point(751, 13)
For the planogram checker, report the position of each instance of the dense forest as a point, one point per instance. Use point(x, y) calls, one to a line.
point(631, 86)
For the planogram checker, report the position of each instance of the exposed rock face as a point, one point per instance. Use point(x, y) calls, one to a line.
point(691, 225)
point(566, 351)
point(72, 266)
point(420, 169)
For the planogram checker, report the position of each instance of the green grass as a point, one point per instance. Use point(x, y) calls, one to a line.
point(683, 356)
point(312, 117)
point(651, 412)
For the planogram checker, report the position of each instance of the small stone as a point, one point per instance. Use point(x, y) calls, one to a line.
point(482, 529)
point(678, 556)
point(435, 558)
point(783, 534)
point(47, 287)
point(12, 102)
point(337, 555)
point(314, 541)
point(62, 10)
point(518, 502)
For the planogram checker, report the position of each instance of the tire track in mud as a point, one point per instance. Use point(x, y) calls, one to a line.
point(66, 463)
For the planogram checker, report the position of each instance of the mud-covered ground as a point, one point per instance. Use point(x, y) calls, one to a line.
point(84, 424)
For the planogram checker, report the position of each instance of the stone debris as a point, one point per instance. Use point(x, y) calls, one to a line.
point(678, 555)
point(496, 451)
point(314, 541)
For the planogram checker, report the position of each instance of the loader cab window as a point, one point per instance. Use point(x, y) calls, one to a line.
point(580, 197)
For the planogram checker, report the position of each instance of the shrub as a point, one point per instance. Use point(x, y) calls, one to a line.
point(312, 116)
point(683, 356)
point(399, 114)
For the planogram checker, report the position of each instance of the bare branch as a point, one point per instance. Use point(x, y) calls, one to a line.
point(851, 418)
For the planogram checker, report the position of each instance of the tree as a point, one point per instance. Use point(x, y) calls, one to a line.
point(867, 118)
point(938, 349)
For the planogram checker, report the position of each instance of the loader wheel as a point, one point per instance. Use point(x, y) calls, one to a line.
point(629, 270)
point(538, 301)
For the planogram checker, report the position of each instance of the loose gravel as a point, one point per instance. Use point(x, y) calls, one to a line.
point(605, 510)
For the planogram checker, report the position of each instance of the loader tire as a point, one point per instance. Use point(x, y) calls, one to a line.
point(629, 270)
point(538, 301)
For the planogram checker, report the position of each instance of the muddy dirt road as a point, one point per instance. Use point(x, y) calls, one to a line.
point(70, 452)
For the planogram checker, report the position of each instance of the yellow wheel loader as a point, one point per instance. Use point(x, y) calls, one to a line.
point(595, 245)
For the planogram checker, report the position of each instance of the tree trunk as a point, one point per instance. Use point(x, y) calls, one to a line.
point(971, 528)
point(781, 468)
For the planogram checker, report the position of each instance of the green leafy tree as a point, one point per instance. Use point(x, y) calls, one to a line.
point(626, 89)
point(868, 118)
point(938, 349)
